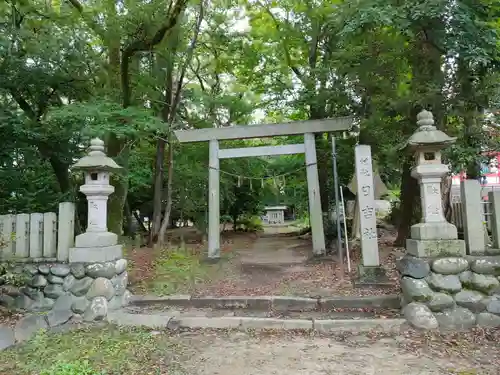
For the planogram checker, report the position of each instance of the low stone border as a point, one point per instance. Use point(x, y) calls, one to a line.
point(277, 303)
point(156, 321)
point(29, 325)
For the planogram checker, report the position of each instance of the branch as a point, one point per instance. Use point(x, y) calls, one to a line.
point(147, 45)
point(313, 51)
point(88, 20)
point(288, 58)
point(44, 102)
point(189, 57)
point(24, 105)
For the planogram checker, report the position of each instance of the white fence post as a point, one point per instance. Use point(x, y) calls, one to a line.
point(472, 216)
point(65, 230)
point(22, 236)
point(36, 236)
point(494, 198)
point(49, 235)
point(7, 223)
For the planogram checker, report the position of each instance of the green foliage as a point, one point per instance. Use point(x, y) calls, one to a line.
point(177, 271)
point(73, 368)
point(91, 351)
point(61, 83)
point(8, 272)
point(251, 223)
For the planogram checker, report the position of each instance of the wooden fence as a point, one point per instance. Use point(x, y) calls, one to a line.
point(457, 213)
point(38, 236)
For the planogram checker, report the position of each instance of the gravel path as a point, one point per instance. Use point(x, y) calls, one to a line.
point(293, 355)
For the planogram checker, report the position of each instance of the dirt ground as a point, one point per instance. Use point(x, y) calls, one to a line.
point(275, 263)
point(107, 349)
point(237, 353)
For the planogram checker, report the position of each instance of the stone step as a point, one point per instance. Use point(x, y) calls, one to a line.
point(358, 313)
point(277, 303)
point(183, 321)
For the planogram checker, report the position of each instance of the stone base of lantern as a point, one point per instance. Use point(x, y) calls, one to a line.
point(434, 231)
point(435, 248)
point(95, 254)
point(372, 276)
point(96, 239)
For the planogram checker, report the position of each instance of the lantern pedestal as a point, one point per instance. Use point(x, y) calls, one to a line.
point(95, 254)
point(435, 248)
point(96, 239)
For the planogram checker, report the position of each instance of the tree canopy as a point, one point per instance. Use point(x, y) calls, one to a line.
point(131, 72)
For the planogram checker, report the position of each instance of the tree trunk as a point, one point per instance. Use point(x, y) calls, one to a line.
point(139, 221)
point(445, 196)
point(470, 109)
point(409, 203)
point(61, 170)
point(168, 208)
point(157, 190)
point(120, 151)
point(129, 230)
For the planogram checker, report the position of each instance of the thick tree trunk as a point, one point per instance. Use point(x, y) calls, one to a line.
point(427, 88)
point(61, 170)
point(157, 190)
point(445, 196)
point(127, 213)
point(409, 205)
point(139, 220)
point(120, 151)
point(168, 208)
point(470, 109)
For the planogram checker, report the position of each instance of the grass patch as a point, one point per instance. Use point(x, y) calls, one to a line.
point(180, 271)
point(97, 351)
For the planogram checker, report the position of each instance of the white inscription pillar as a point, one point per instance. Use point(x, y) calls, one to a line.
point(315, 215)
point(366, 200)
point(213, 201)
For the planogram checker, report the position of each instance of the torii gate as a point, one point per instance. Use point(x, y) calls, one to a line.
point(307, 128)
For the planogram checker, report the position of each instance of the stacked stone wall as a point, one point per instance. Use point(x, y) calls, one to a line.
point(451, 293)
point(78, 290)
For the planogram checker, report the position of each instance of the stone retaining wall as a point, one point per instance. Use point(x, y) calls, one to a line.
point(79, 290)
point(451, 293)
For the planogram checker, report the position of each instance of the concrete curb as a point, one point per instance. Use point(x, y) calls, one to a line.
point(279, 303)
point(244, 323)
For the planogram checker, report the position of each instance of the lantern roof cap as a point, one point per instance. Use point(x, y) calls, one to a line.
point(427, 134)
point(96, 159)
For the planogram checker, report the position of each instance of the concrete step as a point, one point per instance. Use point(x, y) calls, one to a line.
point(357, 313)
point(274, 303)
point(186, 321)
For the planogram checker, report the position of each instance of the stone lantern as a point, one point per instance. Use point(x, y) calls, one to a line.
point(96, 244)
point(433, 236)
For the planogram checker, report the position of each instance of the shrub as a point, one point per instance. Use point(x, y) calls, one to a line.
point(251, 224)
